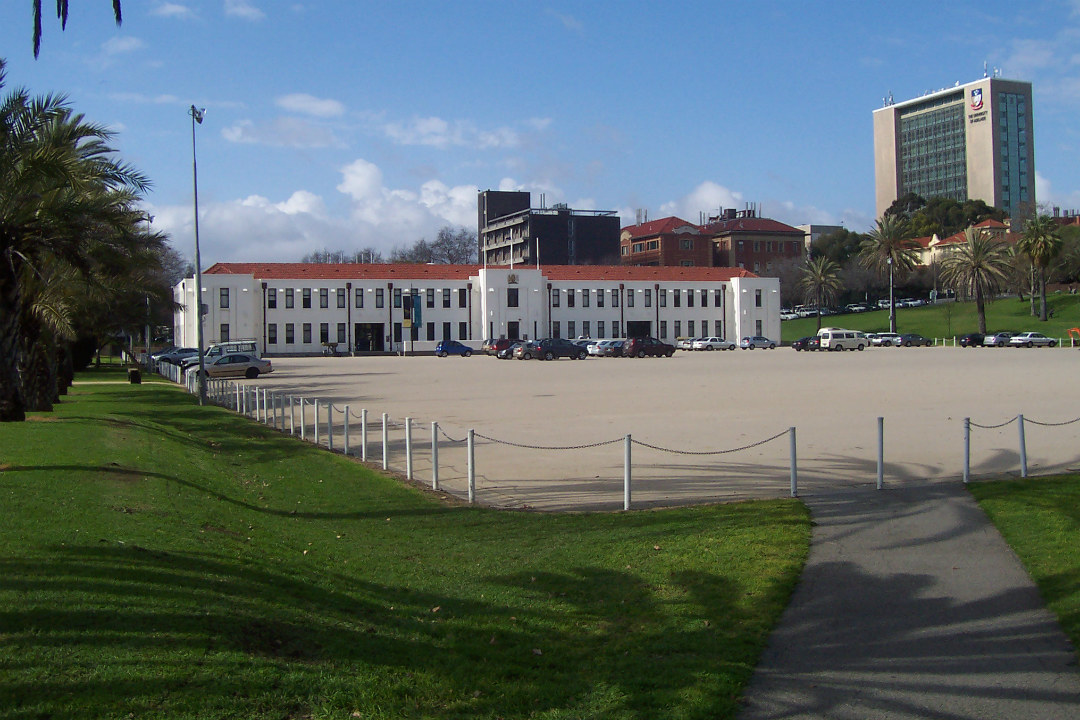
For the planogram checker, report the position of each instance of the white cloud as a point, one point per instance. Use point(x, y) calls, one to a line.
point(439, 133)
point(310, 105)
point(243, 9)
point(282, 132)
point(121, 45)
point(173, 10)
point(569, 22)
point(708, 197)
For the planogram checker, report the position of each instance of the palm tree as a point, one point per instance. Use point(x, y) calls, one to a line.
point(1042, 243)
point(888, 249)
point(62, 16)
point(62, 192)
point(980, 267)
point(820, 282)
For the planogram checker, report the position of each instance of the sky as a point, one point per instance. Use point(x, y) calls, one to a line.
point(352, 124)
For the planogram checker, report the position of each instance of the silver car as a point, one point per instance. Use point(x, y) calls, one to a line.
point(1000, 339)
point(1031, 339)
point(713, 343)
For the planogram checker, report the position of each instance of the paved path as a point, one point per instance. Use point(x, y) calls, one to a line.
point(912, 606)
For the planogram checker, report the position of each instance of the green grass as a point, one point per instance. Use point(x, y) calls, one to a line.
point(1040, 519)
point(165, 560)
point(951, 319)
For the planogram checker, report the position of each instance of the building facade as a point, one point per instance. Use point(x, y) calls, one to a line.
point(301, 309)
point(670, 241)
point(972, 141)
point(511, 232)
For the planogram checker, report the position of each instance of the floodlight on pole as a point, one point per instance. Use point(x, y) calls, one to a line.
point(197, 117)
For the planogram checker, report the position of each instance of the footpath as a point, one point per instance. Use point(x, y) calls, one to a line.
point(911, 605)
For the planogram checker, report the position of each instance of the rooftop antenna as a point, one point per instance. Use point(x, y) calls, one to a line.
point(984, 68)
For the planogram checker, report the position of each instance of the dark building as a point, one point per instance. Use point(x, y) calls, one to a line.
point(509, 231)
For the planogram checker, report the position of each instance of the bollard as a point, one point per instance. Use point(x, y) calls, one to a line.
point(363, 434)
point(315, 406)
point(434, 456)
point(472, 467)
point(794, 468)
point(1023, 447)
point(626, 473)
point(346, 439)
point(880, 452)
point(330, 427)
point(408, 448)
point(967, 450)
point(385, 450)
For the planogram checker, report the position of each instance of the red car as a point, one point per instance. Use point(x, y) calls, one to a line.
point(640, 347)
point(494, 347)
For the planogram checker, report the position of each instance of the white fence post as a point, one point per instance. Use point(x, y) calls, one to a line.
point(237, 397)
point(434, 456)
point(626, 473)
point(292, 415)
point(1023, 447)
point(794, 467)
point(346, 439)
point(363, 434)
point(880, 452)
point(472, 467)
point(303, 424)
point(967, 449)
point(316, 435)
point(408, 448)
point(385, 449)
point(330, 427)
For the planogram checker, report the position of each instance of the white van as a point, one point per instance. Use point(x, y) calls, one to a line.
point(840, 339)
point(248, 346)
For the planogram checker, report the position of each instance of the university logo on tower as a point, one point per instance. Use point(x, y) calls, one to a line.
point(976, 99)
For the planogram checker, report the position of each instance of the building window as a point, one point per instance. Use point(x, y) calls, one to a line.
point(289, 299)
point(359, 301)
point(380, 300)
point(757, 245)
point(463, 331)
point(639, 247)
point(341, 333)
point(757, 299)
point(571, 329)
point(341, 299)
point(555, 297)
point(600, 329)
point(271, 298)
point(429, 298)
point(716, 298)
point(704, 298)
point(290, 333)
point(585, 330)
point(431, 331)
point(648, 298)
point(223, 298)
point(555, 329)
point(757, 328)
point(686, 263)
point(462, 297)
point(570, 298)
point(623, 250)
point(676, 301)
point(653, 245)
point(224, 332)
point(686, 244)
point(585, 295)
point(663, 297)
point(678, 328)
point(324, 297)
point(307, 333)
point(324, 332)
point(614, 328)
point(397, 332)
point(663, 329)
point(511, 297)
point(689, 298)
point(599, 298)
point(271, 333)
point(306, 300)
point(768, 246)
point(630, 298)
point(718, 328)
point(446, 300)
point(614, 298)
point(446, 331)
point(690, 328)
point(397, 297)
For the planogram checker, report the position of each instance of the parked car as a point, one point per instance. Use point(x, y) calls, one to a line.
point(452, 347)
point(527, 351)
point(614, 348)
point(998, 339)
point(1031, 339)
point(840, 339)
point(685, 343)
point(508, 352)
point(972, 340)
point(915, 339)
point(713, 343)
point(177, 355)
point(555, 348)
point(803, 343)
point(248, 346)
point(598, 348)
point(493, 347)
point(885, 340)
point(757, 341)
point(640, 347)
point(788, 315)
point(235, 365)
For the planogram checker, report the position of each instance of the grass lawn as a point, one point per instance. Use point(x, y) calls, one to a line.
point(951, 319)
point(1040, 519)
point(165, 560)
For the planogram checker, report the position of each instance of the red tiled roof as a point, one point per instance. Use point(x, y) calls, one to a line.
point(991, 223)
point(923, 242)
point(750, 224)
point(656, 227)
point(416, 271)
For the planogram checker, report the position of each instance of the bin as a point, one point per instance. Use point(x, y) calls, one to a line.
point(134, 376)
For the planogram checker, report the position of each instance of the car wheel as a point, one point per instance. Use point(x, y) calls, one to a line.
point(907, 344)
point(861, 348)
point(467, 353)
point(751, 347)
point(1030, 344)
point(641, 353)
point(252, 373)
point(709, 348)
point(669, 353)
point(1052, 343)
point(549, 356)
point(772, 346)
point(442, 354)
point(527, 356)
point(582, 355)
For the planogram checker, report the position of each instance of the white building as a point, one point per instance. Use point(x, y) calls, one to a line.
point(298, 308)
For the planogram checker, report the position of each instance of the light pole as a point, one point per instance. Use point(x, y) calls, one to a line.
point(146, 335)
point(892, 303)
point(197, 117)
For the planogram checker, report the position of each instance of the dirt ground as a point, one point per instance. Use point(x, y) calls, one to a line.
point(700, 402)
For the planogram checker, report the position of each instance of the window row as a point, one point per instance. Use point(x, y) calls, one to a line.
point(572, 297)
point(430, 296)
point(272, 337)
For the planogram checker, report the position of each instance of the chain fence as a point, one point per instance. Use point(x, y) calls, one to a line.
point(1021, 422)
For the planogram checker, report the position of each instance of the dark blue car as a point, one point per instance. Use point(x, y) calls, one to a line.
point(452, 347)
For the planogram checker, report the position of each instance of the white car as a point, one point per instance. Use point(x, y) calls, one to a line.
point(713, 343)
point(788, 315)
point(596, 349)
point(1031, 339)
point(686, 343)
point(886, 339)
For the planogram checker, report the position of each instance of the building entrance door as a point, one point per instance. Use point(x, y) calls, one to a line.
point(638, 328)
point(512, 331)
point(368, 337)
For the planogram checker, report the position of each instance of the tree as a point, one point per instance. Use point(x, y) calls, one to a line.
point(62, 16)
point(1042, 243)
point(979, 267)
point(452, 246)
point(820, 283)
point(889, 251)
point(328, 256)
point(839, 246)
point(64, 197)
point(905, 206)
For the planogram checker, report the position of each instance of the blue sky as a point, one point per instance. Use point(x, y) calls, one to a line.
point(354, 124)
